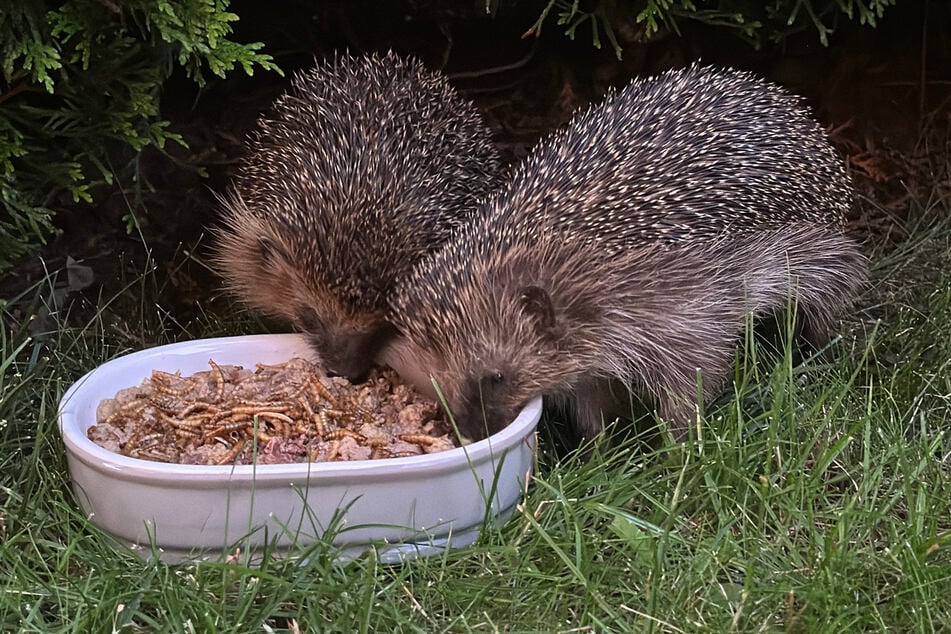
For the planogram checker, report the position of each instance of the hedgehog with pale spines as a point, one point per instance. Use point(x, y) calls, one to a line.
point(360, 170)
point(630, 249)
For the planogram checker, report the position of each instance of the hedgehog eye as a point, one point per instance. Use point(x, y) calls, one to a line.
point(495, 377)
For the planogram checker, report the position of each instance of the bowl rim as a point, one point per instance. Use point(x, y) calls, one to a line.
point(100, 458)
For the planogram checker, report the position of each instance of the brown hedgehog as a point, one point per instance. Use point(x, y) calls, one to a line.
point(360, 170)
point(631, 248)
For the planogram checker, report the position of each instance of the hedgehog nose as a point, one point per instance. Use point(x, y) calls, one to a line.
point(354, 368)
point(353, 377)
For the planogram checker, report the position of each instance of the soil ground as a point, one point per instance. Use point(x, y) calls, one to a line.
point(884, 94)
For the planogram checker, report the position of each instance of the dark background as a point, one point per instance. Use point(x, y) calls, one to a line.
point(884, 95)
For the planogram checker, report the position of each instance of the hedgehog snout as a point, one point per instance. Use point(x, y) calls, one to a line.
point(352, 354)
point(485, 405)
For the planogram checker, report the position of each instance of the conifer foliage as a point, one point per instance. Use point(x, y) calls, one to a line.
point(79, 95)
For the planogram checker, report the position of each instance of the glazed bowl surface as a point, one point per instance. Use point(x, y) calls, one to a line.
point(409, 506)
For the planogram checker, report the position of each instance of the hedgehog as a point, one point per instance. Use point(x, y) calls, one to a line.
point(630, 250)
point(362, 168)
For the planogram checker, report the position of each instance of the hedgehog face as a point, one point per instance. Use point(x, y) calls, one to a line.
point(508, 360)
point(263, 268)
point(488, 399)
point(348, 347)
point(344, 331)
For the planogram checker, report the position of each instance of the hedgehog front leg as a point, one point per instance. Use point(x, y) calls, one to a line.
point(598, 401)
point(678, 405)
point(688, 372)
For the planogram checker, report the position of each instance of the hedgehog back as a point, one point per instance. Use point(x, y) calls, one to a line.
point(688, 155)
point(682, 155)
point(363, 167)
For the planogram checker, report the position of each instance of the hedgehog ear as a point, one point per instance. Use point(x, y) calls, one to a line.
point(536, 303)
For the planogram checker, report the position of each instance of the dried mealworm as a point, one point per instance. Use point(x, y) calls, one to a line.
point(143, 435)
point(249, 412)
point(418, 439)
point(178, 423)
point(219, 379)
point(232, 453)
point(271, 406)
point(195, 407)
point(162, 382)
point(149, 454)
point(227, 428)
point(320, 392)
point(379, 451)
point(125, 411)
point(317, 421)
point(276, 416)
point(337, 434)
point(333, 451)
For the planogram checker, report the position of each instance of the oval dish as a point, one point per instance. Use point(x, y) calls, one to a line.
point(409, 506)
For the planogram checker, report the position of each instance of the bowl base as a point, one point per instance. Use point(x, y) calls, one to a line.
point(250, 553)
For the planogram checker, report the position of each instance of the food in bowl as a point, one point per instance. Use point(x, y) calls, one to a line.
point(274, 414)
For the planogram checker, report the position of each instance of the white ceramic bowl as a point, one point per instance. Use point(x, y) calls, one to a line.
point(411, 506)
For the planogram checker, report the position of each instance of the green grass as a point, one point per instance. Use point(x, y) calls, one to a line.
point(816, 499)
